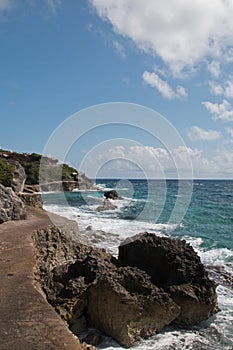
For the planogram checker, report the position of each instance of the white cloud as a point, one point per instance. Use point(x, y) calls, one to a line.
point(196, 133)
point(214, 68)
point(216, 88)
point(226, 89)
point(182, 33)
point(157, 162)
point(162, 86)
point(222, 111)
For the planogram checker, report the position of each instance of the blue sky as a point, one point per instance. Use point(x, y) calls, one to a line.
point(59, 57)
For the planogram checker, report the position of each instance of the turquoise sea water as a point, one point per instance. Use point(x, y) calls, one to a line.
point(203, 216)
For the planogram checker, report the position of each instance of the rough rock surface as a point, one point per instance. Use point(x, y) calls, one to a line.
point(31, 199)
point(125, 304)
point(19, 178)
point(11, 206)
point(174, 266)
point(66, 284)
point(107, 205)
point(155, 282)
point(113, 194)
point(31, 188)
point(84, 183)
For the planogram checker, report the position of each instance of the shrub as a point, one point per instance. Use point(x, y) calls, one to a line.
point(6, 173)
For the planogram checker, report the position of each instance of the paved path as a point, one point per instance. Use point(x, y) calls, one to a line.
point(27, 321)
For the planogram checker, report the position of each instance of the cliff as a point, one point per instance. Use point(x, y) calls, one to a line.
point(23, 172)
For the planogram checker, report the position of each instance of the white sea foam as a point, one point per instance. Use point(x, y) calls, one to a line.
point(218, 257)
point(108, 230)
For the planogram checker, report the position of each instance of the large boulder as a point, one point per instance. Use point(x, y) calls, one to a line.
point(173, 265)
point(11, 206)
point(19, 178)
point(125, 304)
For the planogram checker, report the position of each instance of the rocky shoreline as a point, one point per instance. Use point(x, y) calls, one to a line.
point(154, 282)
point(129, 298)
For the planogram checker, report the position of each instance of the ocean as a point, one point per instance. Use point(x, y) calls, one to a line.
point(204, 219)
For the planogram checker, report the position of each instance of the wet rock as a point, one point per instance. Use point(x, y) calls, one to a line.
point(113, 194)
point(106, 206)
point(94, 337)
point(174, 266)
point(11, 206)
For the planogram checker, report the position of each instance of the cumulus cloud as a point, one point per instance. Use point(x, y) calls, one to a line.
point(222, 111)
point(181, 33)
point(214, 68)
point(162, 86)
point(225, 89)
point(216, 88)
point(158, 162)
point(198, 134)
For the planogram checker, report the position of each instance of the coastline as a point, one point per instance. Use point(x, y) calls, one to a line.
point(28, 321)
point(60, 221)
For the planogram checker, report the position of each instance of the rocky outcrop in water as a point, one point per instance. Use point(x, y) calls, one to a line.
point(173, 265)
point(113, 194)
point(155, 282)
point(107, 205)
point(11, 206)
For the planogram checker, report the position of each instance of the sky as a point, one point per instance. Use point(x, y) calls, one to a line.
point(172, 56)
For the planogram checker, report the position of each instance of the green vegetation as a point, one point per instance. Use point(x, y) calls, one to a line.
point(6, 173)
point(51, 170)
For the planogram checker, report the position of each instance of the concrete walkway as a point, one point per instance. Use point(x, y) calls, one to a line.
point(27, 321)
